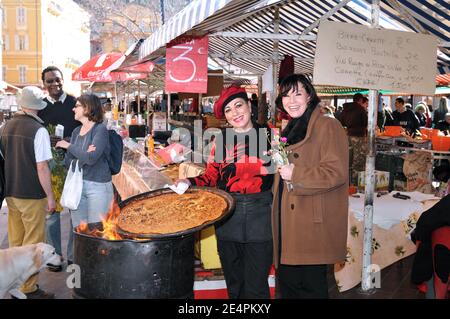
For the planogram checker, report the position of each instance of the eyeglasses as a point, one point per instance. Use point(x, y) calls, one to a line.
point(50, 81)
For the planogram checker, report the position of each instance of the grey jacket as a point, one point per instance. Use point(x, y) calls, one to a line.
point(95, 165)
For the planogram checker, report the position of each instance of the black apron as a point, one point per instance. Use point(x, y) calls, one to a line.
point(250, 221)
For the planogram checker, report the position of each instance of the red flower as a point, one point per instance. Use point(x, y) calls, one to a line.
point(247, 180)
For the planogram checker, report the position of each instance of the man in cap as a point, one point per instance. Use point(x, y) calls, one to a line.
point(25, 144)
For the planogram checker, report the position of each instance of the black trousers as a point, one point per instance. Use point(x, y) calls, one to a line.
point(302, 281)
point(246, 268)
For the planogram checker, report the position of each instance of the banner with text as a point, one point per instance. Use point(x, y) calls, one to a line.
point(358, 56)
point(187, 65)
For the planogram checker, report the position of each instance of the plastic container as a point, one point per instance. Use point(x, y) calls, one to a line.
point(393, 130)
point(116, 113)
point(149, 145)
point(128, 119)
point(428, 133)
point(441, 143)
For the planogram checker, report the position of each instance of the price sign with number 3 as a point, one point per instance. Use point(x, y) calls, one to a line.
point(187, 65)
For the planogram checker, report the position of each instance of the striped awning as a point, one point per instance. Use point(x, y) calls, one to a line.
point(443, 79)
point(256, 16)
point(196, 12)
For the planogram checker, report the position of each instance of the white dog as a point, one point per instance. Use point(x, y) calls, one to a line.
point(17, 264)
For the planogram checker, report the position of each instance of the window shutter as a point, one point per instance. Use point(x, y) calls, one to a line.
point(25, 16)
point(6, 42)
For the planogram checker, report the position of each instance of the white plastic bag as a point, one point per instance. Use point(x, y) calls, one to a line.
point(73, 186)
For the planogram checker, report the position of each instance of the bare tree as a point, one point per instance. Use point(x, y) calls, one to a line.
point(137, 19)
point(128, 20)
point(172, 7)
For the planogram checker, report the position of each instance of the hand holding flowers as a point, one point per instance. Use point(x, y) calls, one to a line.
point(278, 153)
point(286, 171)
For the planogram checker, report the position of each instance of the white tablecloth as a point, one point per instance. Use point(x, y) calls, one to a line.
point(387, 210)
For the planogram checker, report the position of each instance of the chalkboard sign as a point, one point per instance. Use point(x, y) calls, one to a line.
point(358, 56)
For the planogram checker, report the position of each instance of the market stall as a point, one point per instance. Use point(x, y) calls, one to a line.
point(394, 219)
point(275, 31)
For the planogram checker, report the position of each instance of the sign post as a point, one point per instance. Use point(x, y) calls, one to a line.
point(362, 57)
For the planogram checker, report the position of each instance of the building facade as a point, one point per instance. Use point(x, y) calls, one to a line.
point(119, 30)
point(38, 33)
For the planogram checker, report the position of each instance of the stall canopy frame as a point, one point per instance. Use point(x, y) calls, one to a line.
point(237, 27)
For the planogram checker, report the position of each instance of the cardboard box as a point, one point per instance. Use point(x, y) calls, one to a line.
point(381, 180)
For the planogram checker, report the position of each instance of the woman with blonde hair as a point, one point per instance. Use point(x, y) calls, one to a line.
point(439, 113)
point(420, 110)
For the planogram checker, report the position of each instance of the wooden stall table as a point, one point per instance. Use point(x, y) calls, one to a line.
point(393, 221)
point(128, 182)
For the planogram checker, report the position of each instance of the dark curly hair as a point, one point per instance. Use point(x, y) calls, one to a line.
point(50, 69)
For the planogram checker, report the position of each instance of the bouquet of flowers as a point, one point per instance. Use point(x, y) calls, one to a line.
point(278, 153)
point(57, 168)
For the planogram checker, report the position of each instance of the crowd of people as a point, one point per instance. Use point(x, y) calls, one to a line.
point(292, 215)
point(354, 117)
point(33, 189)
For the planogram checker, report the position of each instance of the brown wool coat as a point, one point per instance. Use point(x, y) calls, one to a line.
point(314, 213)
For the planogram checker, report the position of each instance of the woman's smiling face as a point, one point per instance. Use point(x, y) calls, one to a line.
point(295, 102)
point(238, 114)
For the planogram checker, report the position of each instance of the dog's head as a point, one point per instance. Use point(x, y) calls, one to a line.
point(45, 254)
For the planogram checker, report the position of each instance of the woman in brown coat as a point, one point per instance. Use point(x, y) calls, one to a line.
point(310, 206)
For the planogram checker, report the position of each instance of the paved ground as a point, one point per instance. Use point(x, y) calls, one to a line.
point(395, 280)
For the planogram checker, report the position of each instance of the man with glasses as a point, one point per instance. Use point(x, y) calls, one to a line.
point(58, 111)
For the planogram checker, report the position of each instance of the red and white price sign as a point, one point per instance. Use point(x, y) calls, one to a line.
point(187, 65)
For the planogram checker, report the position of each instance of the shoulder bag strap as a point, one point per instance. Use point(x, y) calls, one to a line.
point(1, 135)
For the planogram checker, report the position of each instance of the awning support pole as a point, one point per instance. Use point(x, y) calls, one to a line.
point(368, 269)
point(273, 94)
point(260, 117)
point(168, 110)
point(139, 96)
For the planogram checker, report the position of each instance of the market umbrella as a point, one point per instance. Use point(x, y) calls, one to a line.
point(101, 69)
point(146, 67)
